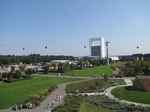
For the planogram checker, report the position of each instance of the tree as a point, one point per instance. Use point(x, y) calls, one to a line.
point(29, 71)
point(22, 68)
point(106, 77)
point(17, 74)
point(130, 68)
point(46, 69)
point(1, 76)
point(12, 69)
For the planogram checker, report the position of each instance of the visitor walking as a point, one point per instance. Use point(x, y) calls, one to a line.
point(53, 103)
point(48, 105)
point(59, 98)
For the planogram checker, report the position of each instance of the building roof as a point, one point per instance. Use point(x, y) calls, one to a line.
point(142, 83)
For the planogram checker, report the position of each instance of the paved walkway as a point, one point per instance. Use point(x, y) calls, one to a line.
point(128, 82)
point(108, 93)
point(61, 91)
point(43, 107)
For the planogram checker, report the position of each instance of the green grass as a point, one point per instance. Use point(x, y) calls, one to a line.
point(11, 93)
point(88, 72)
point(87, 107)
point(116, 64)
point(134, 96)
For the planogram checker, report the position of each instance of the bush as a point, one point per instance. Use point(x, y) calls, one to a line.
point(17, 74)
point(86, 86)
point(29, 71)
point(71, 104)
point(34, 97)
point(105, 102)
point(39, 96)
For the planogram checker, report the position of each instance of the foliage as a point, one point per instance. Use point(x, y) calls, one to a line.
point(138, 67)
point(32, 58)
point(104, 101)
point(85, 86)
point(22, 68)
point(39, 96)
point(71, 104)
point(17, 74)
point(23, 89)
point(46, 69)
point(106, 77)
point(93, 85)
point(1, 76)
point(29, 71)
point(12, 69)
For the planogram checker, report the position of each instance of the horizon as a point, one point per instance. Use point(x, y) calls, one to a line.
point(65, 27)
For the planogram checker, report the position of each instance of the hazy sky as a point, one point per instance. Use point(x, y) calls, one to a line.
point(65, 26)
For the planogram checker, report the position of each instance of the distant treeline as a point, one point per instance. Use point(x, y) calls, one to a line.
point(142, 55)
point(32, 58)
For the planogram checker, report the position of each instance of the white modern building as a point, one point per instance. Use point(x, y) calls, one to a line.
point(98, 50)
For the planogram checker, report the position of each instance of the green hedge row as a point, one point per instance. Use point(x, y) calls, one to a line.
point(71, 104)
point(104, 101)
point(85, 87)
point(39, 96)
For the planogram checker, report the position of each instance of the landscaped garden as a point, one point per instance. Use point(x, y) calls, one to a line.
point(12, 93)
point(78, 103)
point(127, 93)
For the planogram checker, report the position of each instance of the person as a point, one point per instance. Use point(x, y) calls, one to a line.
point(20, 107)
point(15, 107)
point(53, 103)
point(59, 98)
point(30, 106)
point(33, 106)
point(76, 92)
point(48, 105)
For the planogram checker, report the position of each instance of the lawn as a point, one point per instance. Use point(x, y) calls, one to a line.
point(88, 72)
point(87, 107)
point(132, 95)
point(11, 93)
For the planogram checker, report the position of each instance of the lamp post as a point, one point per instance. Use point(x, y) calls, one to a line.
point(107, 52)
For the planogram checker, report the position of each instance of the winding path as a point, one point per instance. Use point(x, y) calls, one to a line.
point(61, 91)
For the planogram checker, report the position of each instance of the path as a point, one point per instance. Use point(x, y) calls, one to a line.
point(61, 91)
point(108, 93)
point(128, 82)
point(43, 107)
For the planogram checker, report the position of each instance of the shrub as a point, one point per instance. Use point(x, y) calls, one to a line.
point(86, 86)
point(52, 88)
point(17, 74)
point(29, 71)
point(34, 97)
point(71, 104)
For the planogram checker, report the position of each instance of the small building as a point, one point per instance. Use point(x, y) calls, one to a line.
point(142, 83)
point(115, 58)
point(129, 58)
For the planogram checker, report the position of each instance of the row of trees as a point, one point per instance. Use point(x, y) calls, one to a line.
point(138, 67)
point(17, 74)
point(32, 58)
point(63, 67)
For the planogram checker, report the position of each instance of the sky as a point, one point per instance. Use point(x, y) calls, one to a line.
point(65, 26)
